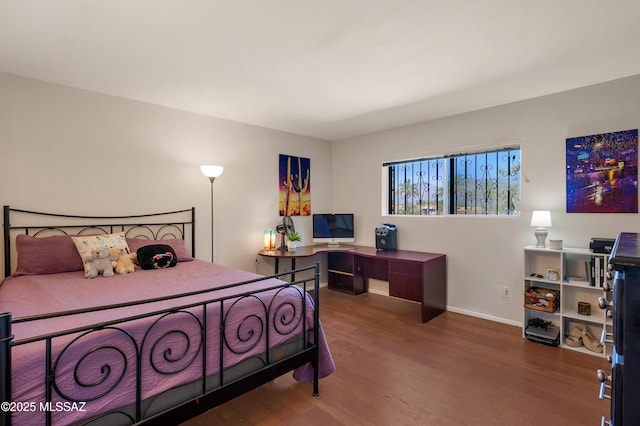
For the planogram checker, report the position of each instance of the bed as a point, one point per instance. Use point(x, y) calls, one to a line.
point(156, 346)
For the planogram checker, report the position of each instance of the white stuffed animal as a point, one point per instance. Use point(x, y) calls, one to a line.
point(99, 262)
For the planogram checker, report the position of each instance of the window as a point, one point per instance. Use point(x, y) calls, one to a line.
point(478, 183)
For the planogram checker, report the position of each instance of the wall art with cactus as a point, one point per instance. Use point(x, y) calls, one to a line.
point(295, 186)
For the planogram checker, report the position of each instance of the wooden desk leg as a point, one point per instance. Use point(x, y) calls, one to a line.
point(434, 288)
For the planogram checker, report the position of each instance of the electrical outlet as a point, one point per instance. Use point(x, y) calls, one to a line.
point(505, 290)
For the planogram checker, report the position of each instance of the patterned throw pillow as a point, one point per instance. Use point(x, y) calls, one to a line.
point(86, 243)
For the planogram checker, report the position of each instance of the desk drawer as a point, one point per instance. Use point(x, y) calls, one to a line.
point(377, 269)
point(405, 267)
point(405, 287)
point(405, 280)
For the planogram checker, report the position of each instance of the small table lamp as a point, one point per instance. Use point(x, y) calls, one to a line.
point(541, 219)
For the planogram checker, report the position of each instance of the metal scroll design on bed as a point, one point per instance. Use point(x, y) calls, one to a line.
point(224, 343)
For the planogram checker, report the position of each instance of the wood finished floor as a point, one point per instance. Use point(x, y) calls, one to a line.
point(454, 370)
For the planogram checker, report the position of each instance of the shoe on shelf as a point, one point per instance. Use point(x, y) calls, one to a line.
point(588, 340)
point(574, 338)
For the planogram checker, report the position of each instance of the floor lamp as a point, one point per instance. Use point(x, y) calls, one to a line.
point(212, 172)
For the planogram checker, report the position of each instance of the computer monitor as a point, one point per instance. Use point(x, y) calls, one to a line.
point(333, 228)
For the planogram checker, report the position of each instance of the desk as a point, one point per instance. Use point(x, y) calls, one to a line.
point(412, 275)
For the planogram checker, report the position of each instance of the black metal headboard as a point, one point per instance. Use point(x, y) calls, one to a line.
point(154, 226)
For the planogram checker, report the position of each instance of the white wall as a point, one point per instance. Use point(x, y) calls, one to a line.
point(71, 151)
point(486, 253)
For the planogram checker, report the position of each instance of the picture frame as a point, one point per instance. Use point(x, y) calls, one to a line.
point(602, 173)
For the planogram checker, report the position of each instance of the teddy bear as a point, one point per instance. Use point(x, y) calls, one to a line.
point(125, 262)
point(99, 262)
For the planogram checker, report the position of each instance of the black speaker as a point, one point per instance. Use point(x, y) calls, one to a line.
point(387, 237)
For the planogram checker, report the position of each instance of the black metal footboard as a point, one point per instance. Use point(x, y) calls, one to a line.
point(271, 331)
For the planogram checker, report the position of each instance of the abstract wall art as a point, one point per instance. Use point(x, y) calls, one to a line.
point(602, 173)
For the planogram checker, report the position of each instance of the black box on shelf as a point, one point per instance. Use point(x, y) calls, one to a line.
point(601, 245)
point(542, 332)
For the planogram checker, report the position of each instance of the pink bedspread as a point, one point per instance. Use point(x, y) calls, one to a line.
point(171, 345)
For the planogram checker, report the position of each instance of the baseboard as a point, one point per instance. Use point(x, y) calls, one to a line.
point(380, 292)
point(484, 316)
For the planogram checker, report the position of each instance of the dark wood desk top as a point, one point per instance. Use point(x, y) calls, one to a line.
point(308, 251)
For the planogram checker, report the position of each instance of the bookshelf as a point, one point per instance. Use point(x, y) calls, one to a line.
point(575, 276)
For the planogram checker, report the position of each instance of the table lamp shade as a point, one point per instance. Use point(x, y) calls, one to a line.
point(541, 219)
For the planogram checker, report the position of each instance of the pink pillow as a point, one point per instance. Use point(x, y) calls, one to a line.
point(176, 244)
point(46, 255)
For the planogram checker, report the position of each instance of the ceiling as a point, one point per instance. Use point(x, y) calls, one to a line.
point(331, 69)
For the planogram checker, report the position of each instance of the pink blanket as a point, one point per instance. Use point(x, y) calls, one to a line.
point(100, 368)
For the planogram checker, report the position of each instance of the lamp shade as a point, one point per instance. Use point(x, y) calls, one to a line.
point(541, 219)
point(211, 171)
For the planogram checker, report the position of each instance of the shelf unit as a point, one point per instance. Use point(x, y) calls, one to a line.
point(341, 269)
point(580, 278)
